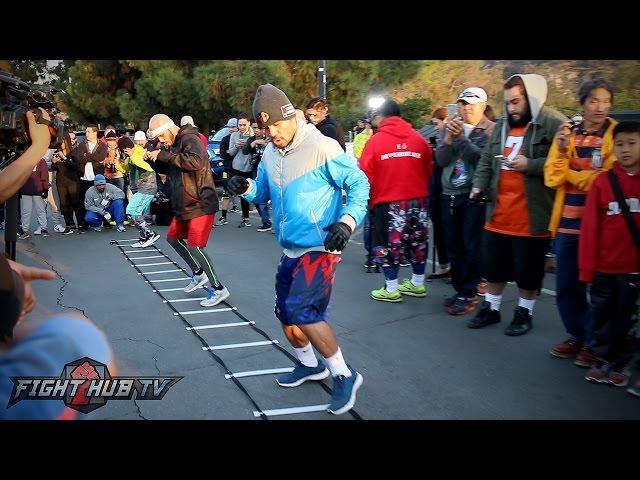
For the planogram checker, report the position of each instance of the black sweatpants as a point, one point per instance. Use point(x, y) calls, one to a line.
point(613, 302)
point(68, 191)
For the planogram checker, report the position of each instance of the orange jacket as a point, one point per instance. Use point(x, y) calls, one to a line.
point(557, 172)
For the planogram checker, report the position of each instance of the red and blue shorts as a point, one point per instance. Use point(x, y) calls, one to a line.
point(303, 287)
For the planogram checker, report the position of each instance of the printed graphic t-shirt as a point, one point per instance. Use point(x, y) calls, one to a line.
point(511, 215)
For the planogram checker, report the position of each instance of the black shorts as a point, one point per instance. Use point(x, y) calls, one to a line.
point(508, 258)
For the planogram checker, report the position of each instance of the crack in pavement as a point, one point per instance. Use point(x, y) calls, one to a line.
point(135, 400)
point(59, 275)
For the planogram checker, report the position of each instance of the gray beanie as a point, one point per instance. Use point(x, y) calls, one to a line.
point(271, 105)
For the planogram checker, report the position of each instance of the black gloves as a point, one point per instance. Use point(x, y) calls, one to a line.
point(45, 194)
point(338, 237)
point(237, 185)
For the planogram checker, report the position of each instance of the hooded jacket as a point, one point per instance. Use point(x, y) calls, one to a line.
point(187, 164)
point(466, 149)
point(536, 144)
point(559, 175)
point(397, 161)
point(332, 129)
point(93, 198)
point(606, 244)
point(241, 161)
point(38, 181)
point(304, 182)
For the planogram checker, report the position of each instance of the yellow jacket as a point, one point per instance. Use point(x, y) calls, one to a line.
point(359, 142)
point(557, 172)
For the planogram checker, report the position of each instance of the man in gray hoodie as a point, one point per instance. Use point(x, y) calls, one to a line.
point(102, 202)
point(242, 161)
point(510, 177)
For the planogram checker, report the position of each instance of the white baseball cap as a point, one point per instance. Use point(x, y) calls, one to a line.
point(187, 119)
point(472, 95)
point(139, 135)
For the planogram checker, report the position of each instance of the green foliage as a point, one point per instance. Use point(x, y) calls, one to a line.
point(417, 111)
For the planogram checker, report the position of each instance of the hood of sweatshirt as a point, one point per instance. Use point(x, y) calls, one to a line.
point(396, 127)
point(536, 87)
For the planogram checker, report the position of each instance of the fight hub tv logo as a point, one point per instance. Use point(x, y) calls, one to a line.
point(85, 385)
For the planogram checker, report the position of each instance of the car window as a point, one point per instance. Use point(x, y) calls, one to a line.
point(219, 135)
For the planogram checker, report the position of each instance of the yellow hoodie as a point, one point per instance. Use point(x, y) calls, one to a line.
point(557, 173)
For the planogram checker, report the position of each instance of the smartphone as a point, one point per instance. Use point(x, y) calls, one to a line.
point(452, 110)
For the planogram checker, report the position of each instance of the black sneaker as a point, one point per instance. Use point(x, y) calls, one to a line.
point(484, 317)
point(67, 231)
point(244, 223)
point(521, 322)
point(264, 228)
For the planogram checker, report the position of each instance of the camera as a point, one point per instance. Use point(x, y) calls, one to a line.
point(480, 198)
point(16, 98)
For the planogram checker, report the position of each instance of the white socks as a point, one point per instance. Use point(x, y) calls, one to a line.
point(306, 356)
point(391, 286)
point(528, 304)
point(417, 280)
point(494, 300)
point(336, 363)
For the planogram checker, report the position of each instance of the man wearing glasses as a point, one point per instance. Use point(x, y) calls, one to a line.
point(68, 184)
point(193, 199)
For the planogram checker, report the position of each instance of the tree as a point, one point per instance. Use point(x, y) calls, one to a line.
point(416, 110)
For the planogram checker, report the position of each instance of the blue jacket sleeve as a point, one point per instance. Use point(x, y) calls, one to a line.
point(343, 172)
point(259, 188)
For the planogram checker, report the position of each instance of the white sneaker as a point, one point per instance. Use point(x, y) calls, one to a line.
point(38, 231)
point(197, 281)
point(151, 240)
point(59, 228)
point(215, 297)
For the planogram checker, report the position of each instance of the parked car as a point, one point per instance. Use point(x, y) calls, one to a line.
point(217, 164)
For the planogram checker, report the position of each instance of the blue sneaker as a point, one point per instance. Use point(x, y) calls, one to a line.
point(344, 392)
point(301, 373)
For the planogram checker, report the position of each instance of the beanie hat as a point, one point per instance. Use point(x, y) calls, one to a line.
point(125, 142)
point(271, 105)
point(99, 180)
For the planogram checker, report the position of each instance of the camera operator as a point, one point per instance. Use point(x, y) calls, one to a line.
point(68, 183)
point(17, 173)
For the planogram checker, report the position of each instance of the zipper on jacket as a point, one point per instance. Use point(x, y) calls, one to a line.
point(315, 222)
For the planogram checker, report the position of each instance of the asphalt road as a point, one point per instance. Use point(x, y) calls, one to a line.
point(417, 362)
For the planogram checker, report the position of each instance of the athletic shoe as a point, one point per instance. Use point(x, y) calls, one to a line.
point(635, 389)
point(404, 263)
point(598, 374)
point(59, 229)
point(521, 322)
point(97, 229)
point(127, 222)
point(23, 236)
point(150, 239)
point(586, 358)
point(383, 295)
point(121, 228)
point(605, 373)
point(244, 223)
point(45, 233)
point(301, 373)
point(264, 228)
point(221, 221)
point(234, 209)
point(343, 397)
point(440, 274)
point(619, 378)
point(215, 297)
point(197, 281)
point(67, 231)
point(112, 223)
point(408, 288)
point(484, 317)
point(461, 306)
point(567, 349)
point(38, 231)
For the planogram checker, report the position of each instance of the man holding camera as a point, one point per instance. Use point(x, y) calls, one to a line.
point(510, 173)
point(303, 173)
point(459, 148)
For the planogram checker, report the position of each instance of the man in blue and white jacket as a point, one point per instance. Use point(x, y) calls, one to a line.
point(303, 173)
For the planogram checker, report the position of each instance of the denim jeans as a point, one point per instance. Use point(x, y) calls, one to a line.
point(571, 293)
point(263, 209)
point(116, 210)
